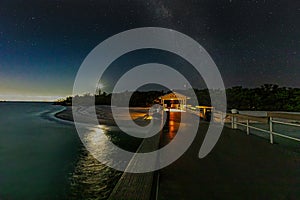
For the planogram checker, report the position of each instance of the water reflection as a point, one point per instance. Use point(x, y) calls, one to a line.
point(171, 127)
point(91, 179)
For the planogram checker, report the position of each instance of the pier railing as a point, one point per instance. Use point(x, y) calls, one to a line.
point(271, 119)
point(273, 116)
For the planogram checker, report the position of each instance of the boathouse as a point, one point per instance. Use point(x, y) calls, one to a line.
point(174, 101)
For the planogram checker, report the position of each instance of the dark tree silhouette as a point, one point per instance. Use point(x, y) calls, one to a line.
point(268, 97)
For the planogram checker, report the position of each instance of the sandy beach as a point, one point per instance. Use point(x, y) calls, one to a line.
point(104, 114)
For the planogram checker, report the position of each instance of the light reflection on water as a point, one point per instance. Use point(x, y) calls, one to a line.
point(172, 126)
point(42, 157)
point(91, 179)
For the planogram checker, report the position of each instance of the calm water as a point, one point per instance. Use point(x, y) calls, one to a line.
point(42, 157)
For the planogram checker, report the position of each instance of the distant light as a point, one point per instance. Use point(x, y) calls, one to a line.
point(29, 98)
point(100, 85)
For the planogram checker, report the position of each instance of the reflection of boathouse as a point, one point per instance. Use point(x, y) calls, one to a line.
point(174, 101)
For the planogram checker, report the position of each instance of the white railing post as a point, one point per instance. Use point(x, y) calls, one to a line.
point(248, 128)
point(235, 122)
point(223, 116)
point(271, 129)
point(213, 116)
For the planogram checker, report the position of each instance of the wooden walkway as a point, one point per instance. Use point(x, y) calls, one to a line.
point(239, 167)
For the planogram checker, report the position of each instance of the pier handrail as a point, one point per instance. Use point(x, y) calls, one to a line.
point(268, 119)
point(284, 115)
point(250, 117)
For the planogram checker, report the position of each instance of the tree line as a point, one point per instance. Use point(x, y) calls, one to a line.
point(268, 97)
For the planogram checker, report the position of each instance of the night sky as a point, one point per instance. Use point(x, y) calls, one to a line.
point(43, 42)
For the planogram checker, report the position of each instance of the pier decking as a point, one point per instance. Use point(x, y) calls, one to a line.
point(240, 166)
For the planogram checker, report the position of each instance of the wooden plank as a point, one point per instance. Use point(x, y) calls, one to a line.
point(137, 186)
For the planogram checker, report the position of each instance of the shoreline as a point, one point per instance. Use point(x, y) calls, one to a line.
point(64, 114)
point(104, 115)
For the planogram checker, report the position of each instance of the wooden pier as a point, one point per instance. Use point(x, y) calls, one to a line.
point(241, 166)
